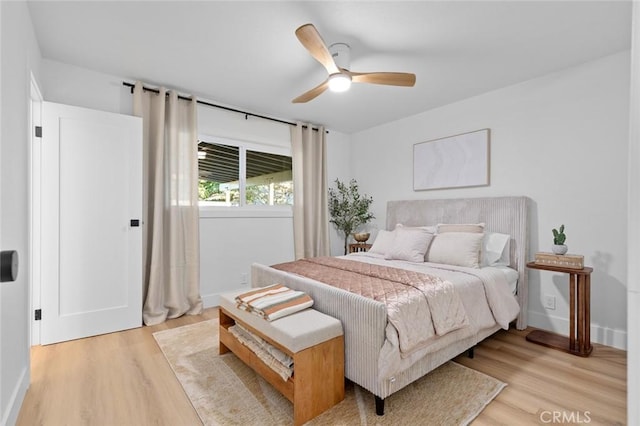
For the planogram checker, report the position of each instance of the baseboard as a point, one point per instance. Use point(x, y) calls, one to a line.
point(602, 335)
point(10, 416)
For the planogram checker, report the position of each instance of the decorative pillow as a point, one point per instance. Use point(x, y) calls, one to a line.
point(382, 243)
point(460, 227)
point(429, 229)
point(496, 249)
point(456, 248)
point(410, 244)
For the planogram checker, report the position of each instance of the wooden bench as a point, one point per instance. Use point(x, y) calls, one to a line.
point(314, 340)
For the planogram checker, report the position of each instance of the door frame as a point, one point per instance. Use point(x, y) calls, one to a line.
point(35, 200)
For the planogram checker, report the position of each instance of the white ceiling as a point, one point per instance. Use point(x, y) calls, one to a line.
point(246, 55)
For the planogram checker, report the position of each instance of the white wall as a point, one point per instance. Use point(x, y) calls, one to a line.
point(71, 85)
point(229, 124)
point(633, 302)
point(338, 167)
point(562, 141)
point(229, 244)
point(20, 56)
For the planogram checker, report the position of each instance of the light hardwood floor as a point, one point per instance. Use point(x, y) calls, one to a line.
point(123, 379)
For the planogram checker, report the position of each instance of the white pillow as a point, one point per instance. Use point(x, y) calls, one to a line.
point(410, 244)
point(496, 249)
point(429, 229)
point(456, 248)
point(460, 227)
point(382, 243)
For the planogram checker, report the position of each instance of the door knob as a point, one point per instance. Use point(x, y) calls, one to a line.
point(8, 265)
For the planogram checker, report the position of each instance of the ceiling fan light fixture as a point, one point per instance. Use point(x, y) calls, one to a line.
point(339, 82)
point(336, 60)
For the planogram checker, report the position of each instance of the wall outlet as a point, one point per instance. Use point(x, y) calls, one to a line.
point(549, 302)
point(243, 278)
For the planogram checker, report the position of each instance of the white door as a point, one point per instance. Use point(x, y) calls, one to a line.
point(91, 243)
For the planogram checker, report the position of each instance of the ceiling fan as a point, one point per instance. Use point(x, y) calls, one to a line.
point(335, 59)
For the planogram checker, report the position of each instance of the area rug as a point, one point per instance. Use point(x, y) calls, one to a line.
point(224, 391)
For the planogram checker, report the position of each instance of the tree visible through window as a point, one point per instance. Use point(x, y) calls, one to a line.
point(228, 172)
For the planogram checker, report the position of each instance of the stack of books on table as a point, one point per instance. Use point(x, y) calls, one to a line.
point(572, 261)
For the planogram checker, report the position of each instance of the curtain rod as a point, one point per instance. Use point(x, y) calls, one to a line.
point(246, 114)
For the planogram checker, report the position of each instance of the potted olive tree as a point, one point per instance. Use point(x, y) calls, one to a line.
point(348, 209)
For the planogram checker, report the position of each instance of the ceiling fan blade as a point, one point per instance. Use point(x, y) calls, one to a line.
point(312, 94)
point(387, 78)
point(311, 40)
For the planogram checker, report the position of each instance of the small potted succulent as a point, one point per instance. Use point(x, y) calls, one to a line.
point(559, 238)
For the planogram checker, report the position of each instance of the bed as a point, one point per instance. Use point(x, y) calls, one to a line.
point(370, 342)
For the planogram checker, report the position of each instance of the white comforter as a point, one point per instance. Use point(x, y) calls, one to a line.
point(486, 296)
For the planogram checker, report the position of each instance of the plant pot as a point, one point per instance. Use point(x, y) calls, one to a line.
point(559, 248)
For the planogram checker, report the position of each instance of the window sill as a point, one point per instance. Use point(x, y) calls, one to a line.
point(245, 212)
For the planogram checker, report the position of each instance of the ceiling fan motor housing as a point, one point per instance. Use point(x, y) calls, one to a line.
point(341, 53)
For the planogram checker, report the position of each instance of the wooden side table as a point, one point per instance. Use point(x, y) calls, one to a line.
point(579, 341)
point(359, 247)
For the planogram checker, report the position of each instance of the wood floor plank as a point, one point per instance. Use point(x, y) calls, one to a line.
point(114, 379)
point(123, 379)
point(543, 381)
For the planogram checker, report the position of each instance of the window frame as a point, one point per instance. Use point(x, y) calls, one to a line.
point(243, 209)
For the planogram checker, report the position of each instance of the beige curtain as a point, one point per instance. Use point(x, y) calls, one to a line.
point(170, 208)
point(310, 210)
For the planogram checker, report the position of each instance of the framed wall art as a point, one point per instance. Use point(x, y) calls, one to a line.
point(452, 162)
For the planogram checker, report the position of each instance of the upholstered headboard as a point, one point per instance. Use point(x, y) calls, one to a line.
point(507, 215)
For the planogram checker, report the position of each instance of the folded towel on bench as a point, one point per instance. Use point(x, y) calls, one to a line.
point(274, 301)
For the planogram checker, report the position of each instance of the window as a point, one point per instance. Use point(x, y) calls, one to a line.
point(232, 173)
